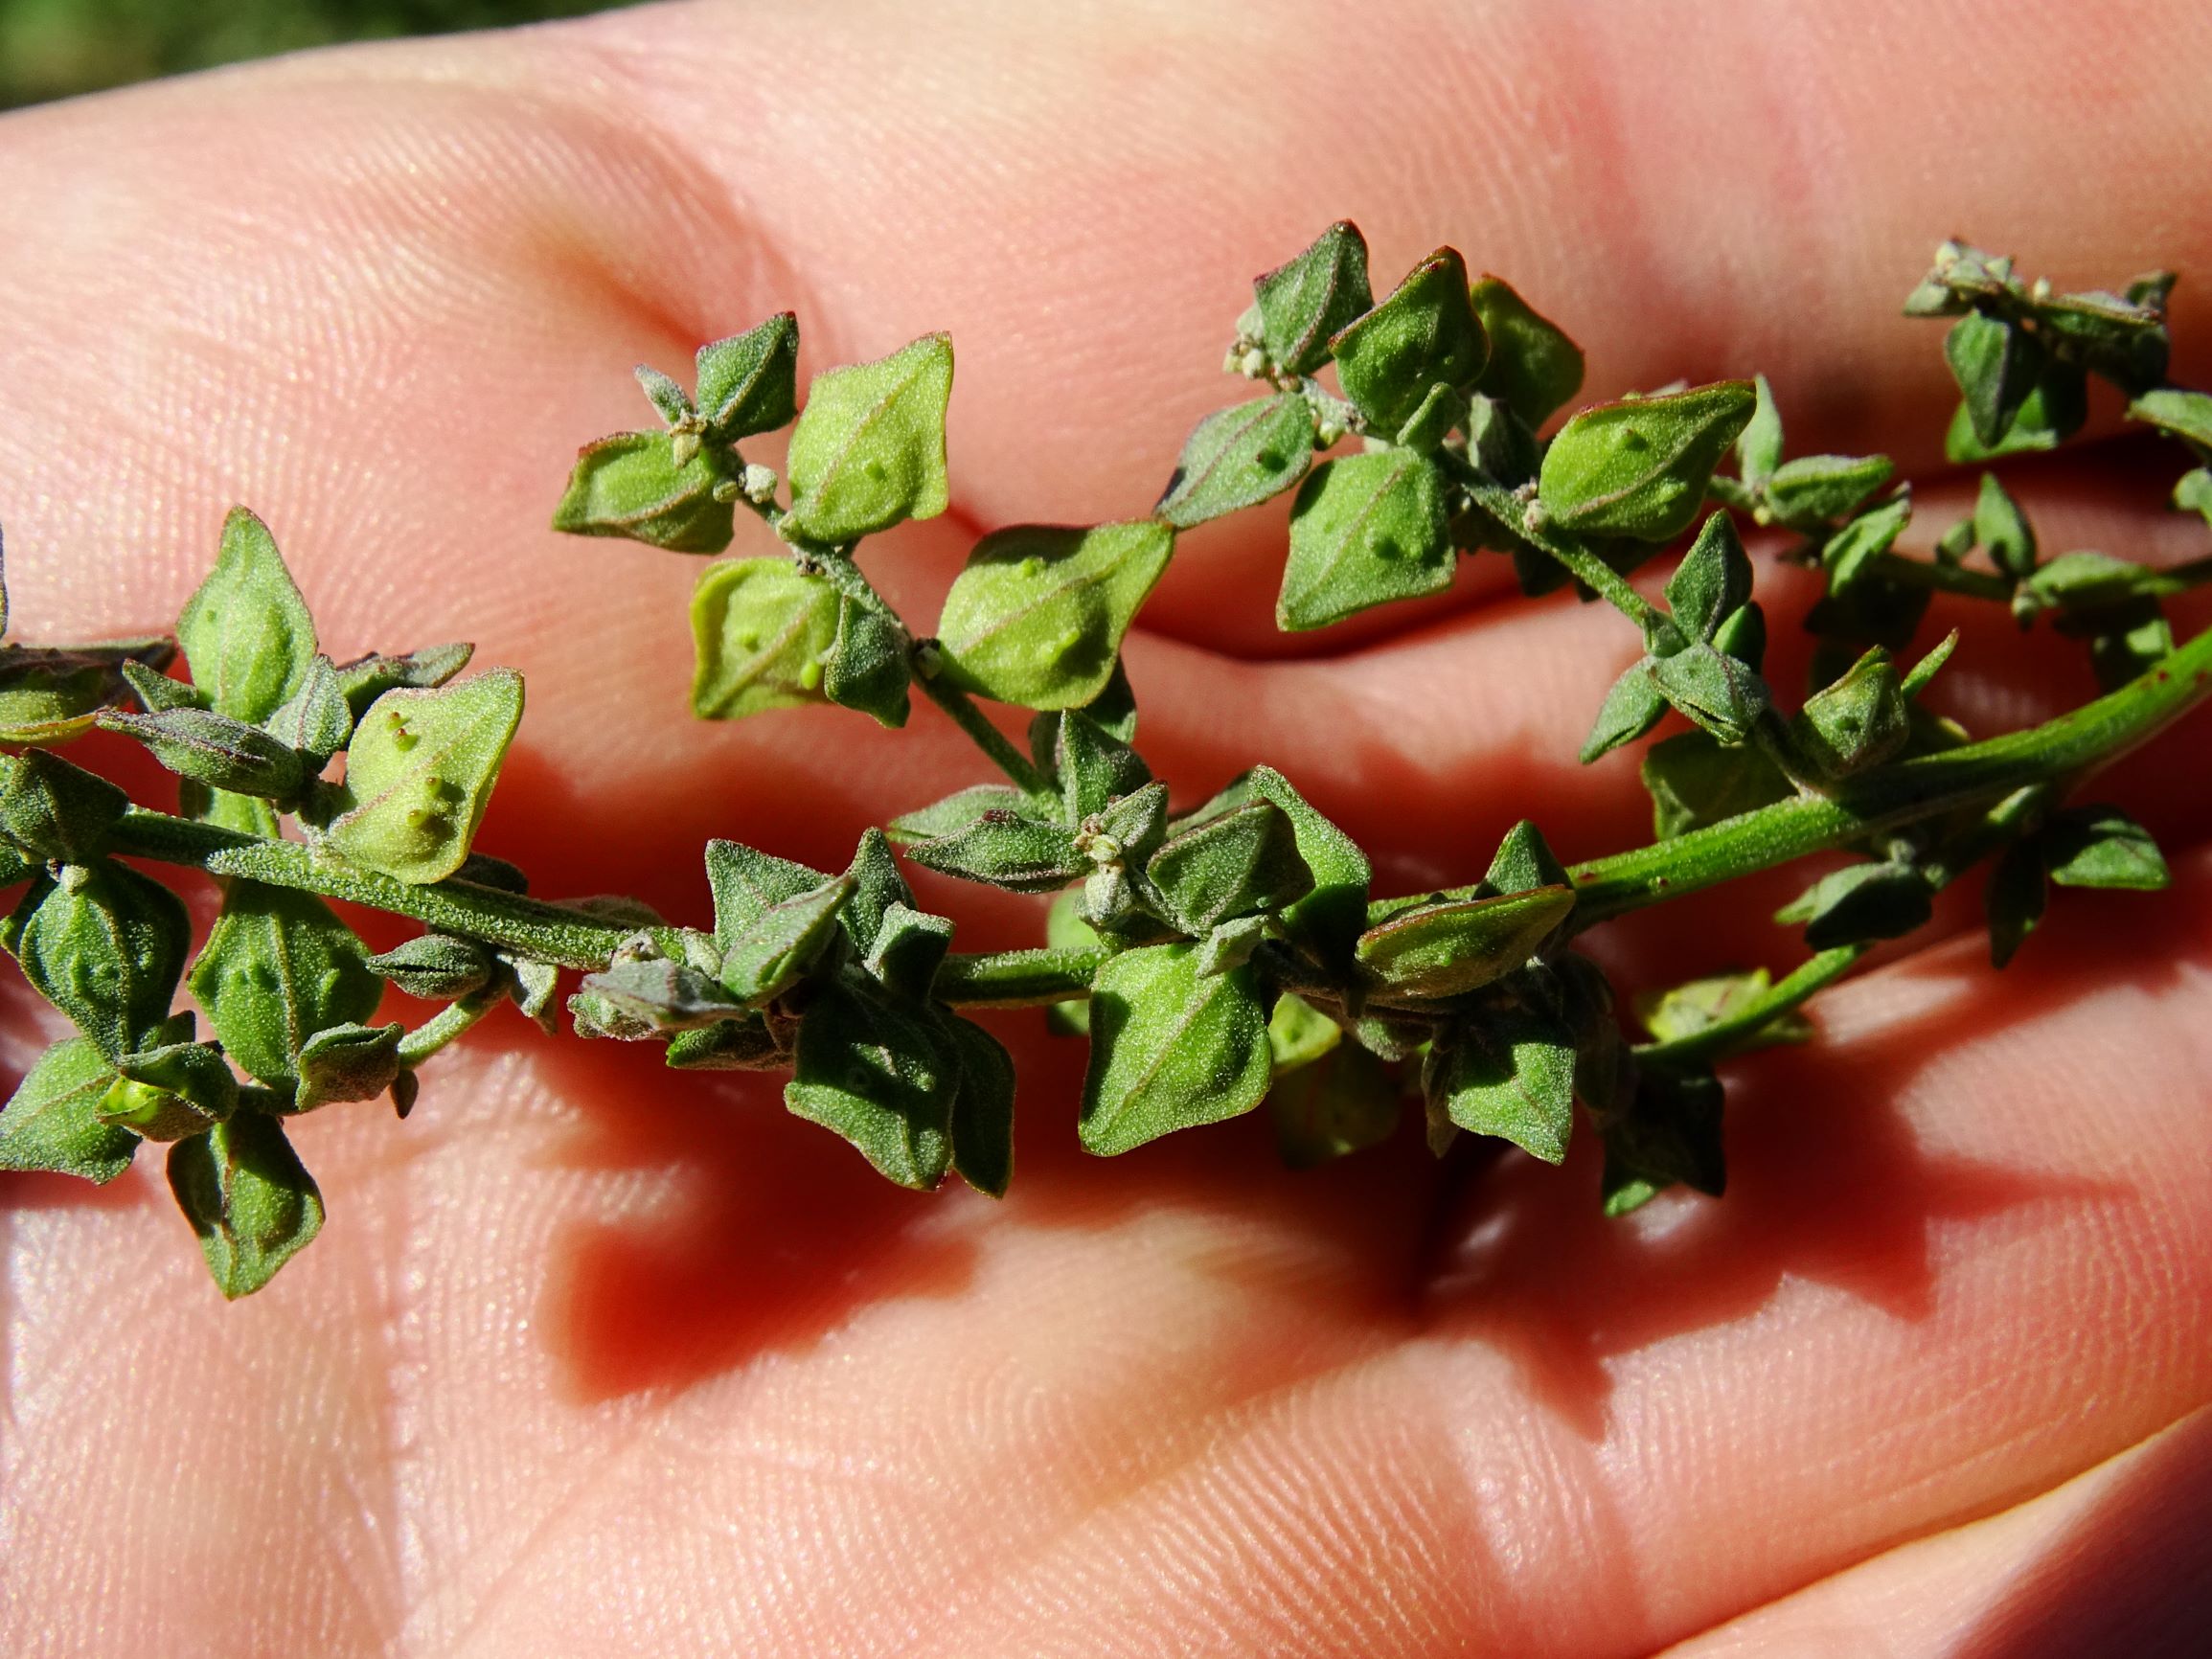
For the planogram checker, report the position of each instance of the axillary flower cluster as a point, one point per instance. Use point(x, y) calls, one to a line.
point(1218, 955)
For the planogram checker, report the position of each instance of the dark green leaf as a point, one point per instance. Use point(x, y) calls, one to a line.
point(2086, 582)
point(249, 1198)
point(420, 771)
point(2177, 413)
point(1859, 903)
point(1712, 582)
point(749, 1044)
point(168, 1092)
point(1524, 861)
point(869, 666)
point(767, 956)
point(632, 486)
point(1856, 722)
point(1853, 553)
point(1038, 615)
point(1633, 706)
point(107, 946)
point(52, 1123)
point(869, 448)
point(2015, 898)
point(761, 632)
point(1715, 691)
point(1743, 635)
point(1759, 446)
point(1695, 780)
point(2054, 409)
point(1095, 768)
point(1507, 1072)
point(592, 1015)
point(1685, 1010)
point(955, 812)
point(983, 1111)
point(1426, 333)
point(1306, 300)
point(2102, 846)
point(1639, 468)
point(49, 698)
point(1364, 530)
point(246, 631)
point(747, 883)
point(2123, 339)
point(347, 1062)
point(279, 966)
point(157, 692)
point(215, 750)
point(1243, 862)
point(909, 946)
point(317, 720)
point(662, 995)
point(435, 967)
point(1440, 949)
point(1334, 913)
point(1342, 1104)
point(1500, 444)
point(2124, 640)
point(54, 809)
point(1008, 851)
point(1136, 824)
point(2003, 529)
point(1671, 1134)
point(1534, 368)
point(365, 679)
point(1922, 673)
point(748, 382)
point(1815, 491)
point(1170, 1048)
point(1239, 457)
point(532, 990)
point(1995, 364)
point(880, 1073)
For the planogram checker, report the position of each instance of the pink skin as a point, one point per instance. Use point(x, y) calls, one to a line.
point(592, 1359)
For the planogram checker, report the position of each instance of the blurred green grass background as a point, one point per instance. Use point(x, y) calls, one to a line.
point(56, 48)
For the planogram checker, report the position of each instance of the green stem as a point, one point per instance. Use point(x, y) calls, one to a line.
point(1591, 571)
point(1716, 1041)
point(446, 1025)
point(1904, 792)
point(1701, 1048)
point(2016, 774)
point(996, 746)
point(1944, 578)
point(527, 926)
point(1017, 978)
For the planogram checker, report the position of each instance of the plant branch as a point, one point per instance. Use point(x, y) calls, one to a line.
point(996, 746)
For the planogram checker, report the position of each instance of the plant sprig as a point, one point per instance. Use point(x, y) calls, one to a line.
point(1219, 954)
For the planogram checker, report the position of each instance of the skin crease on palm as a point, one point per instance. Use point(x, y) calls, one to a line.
point(593, 1359)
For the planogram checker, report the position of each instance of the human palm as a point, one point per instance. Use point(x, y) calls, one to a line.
point(595, 1358)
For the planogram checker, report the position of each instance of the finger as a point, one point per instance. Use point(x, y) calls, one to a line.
point(2114, 1561)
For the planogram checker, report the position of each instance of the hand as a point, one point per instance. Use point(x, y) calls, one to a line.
point(594, 1358)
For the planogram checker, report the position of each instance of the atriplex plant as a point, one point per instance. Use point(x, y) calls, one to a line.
point(1228, 953)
